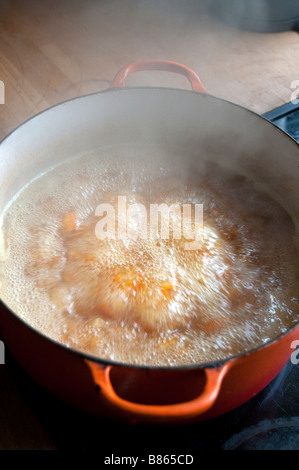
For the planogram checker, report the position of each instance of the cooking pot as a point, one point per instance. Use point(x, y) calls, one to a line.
point(189, 120)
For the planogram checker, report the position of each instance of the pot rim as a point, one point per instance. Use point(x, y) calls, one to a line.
point(108, 362)
point(205, 365)
point(149, 88)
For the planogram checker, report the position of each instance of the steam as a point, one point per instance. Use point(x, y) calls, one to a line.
point(257, 15)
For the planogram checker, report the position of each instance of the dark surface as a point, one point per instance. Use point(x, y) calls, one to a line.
point(270, 420)
point(287, 118)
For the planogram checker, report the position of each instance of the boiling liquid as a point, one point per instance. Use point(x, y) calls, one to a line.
point(149, 300)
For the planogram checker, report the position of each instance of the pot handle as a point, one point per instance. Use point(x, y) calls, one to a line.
point(195, 407)
point(161, 65)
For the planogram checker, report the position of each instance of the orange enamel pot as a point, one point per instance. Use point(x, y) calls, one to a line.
point(140, 116)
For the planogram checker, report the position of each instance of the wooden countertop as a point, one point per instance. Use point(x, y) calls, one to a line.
point(51, 51)
point(54, 50)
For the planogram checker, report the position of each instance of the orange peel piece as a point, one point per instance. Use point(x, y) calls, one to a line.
point(70, 221)
point(167, 289)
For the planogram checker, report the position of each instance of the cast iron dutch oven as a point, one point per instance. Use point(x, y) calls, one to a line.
point(189, 120)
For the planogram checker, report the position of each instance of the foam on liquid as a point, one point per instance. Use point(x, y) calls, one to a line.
point(150, 301)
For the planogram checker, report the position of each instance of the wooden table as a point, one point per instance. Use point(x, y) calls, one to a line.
point(51, 51)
